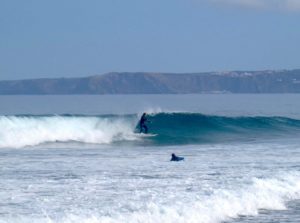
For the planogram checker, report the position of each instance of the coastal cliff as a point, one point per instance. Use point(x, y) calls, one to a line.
point(277, 81)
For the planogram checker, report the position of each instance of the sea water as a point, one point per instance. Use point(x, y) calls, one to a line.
point(71, 159)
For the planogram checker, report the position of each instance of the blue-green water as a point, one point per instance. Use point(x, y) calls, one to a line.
point(81, 159)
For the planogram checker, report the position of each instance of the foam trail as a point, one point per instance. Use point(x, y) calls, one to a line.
point(20, 131)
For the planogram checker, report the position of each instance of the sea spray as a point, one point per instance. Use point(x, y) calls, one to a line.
point(20, 131)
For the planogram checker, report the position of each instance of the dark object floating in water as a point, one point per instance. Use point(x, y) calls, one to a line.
point(176, 158)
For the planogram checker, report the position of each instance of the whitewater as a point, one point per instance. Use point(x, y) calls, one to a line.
point(64, 163)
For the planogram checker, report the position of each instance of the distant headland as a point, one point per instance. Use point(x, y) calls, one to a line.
point(267, 81)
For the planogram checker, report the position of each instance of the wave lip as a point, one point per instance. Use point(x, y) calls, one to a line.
point(21, 131)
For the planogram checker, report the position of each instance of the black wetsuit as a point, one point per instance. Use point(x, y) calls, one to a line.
point(143, 127)
point(176, 158)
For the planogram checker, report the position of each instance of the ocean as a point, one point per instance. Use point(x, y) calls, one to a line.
point(81, 159)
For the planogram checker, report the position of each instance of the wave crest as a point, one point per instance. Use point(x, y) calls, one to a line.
point(23, 131)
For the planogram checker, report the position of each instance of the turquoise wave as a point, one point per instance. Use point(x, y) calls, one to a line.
point(181, 128)
point(164, 129)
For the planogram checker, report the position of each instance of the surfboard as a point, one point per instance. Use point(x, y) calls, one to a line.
point(146, 134)
point(178, 158)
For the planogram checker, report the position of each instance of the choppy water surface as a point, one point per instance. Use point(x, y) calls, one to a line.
point(96, 168)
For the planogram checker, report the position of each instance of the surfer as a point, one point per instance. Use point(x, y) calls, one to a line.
point(176, 158)
point(143, 127)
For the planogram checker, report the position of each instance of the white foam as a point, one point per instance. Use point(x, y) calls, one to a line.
point(271, 194)
point(18, 132)
point(222, 205)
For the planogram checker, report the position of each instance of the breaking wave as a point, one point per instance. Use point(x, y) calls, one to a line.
point(20, 131)
point(165, 129)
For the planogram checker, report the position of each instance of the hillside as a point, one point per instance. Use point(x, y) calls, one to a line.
point(283, 81)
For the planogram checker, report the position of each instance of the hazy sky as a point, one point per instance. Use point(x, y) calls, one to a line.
point(71, 38)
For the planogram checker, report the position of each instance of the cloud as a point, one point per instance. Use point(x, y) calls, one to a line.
point(244, 3)
point(282, 5)
point(293, 5)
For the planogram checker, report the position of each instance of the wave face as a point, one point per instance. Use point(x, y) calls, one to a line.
point(198, 128)
point(164, 129)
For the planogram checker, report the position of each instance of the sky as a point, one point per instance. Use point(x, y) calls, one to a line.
point(77, 38)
